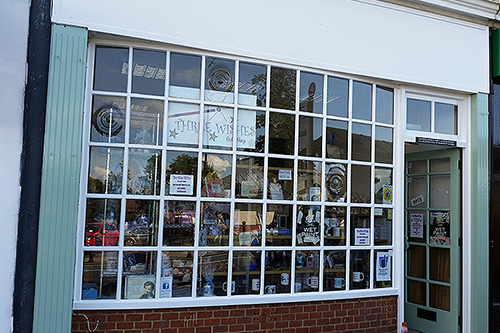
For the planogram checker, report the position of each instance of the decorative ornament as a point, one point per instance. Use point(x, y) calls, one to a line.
point(108, 120)
point(220, 79)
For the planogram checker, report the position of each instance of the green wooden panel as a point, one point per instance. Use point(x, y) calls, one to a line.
point(60, 180)
point(495, 53)
point(479, 215)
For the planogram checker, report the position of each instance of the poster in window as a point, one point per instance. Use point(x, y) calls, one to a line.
point(140, 287)
point(308, 226)
point(215, 187)
point(417, 225)
point(383, 269)
point(439, 228)
point(181, 184)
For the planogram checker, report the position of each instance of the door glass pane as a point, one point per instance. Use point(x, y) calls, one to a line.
point(219, 80)
point(338, 97)
point(416, 292)
point(146, 122)
point(310, 136)
point(417, 192)
point(440, 191)
point(307, 270)
point(108, 119)
point(360, 184)
point(251, 130)
point(439, 297)
point(440, 165)
point(179, 221)
point(183, 125)
point(252, 86)
point(383, 226)
point(361, 101)
point(383, 269)
point(418, 115)
point(212, 268)
point(246, 273)
point(334, 226)
point(334, 271)
point(446, 118)
point(361, 142)
point(439, 264)
point(336, 182)
point(417, 167)
point(144, 171)
point(249, 177)
point(416, 263)
point(185, 76)
point(309, 181)
point(384, 105)
point(105, 170)
point(336, 139)
point(181, 173)
point(283, 84)
point(277, 264)
point(216, 175)
point(148, 72)
point(416, 226)
point(102, 222)
point(177, 274)
point(308, 225)
point(99, 275)
point(111, 69)
point(214, 226)
point(360, 226)
point(311, 93)
point(141, 223)
point(218, 127)
point(280, 179)
point(383, 145)
point(247, 224)
point(281, 133)
point(139, 275)
point(383, 186)
point(360, 269)
point(279, 219)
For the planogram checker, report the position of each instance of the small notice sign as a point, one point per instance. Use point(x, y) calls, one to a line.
point(362, 236)
point(417, 200)
point(285, 175)
point(181, 184)
point(417, 225)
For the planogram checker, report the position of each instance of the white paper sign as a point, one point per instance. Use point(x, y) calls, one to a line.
point(417, 200)
point(383, 268)
point(285, 175)
point(362, 236)
point(181, 184)
point(166, 287)
point(417, 225)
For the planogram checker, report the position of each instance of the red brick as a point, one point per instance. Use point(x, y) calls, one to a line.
point(252, 327)
point(170, 316)
point(212, 322)
point(202, 330)
point(134, 317)
point(125, 325)
point(152, 316)
point(205, 314)
point(161, 324)
point(143, 324)
point(222, 328)
point(117, 318)
point(236, 328)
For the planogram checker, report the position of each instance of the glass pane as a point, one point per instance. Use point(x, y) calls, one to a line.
point(416, 263)
point(416, 226)
point(279, 225)
point(108, 119)
point(440, 165)
point(310, 136)
point(139, 275)
point(181, 173)
point(418, 115)
point(185, 76)
point(446, 120)
point(361, 101)
point(439, 264)
point(383, 186)
point(99, 275)
point(219, 84)
point(212, 267)
point(183, 125)
point(383, 226)
point(384, 105)
point(146, 122)
point(439, 228)
point(416, 292)
point(417, 167)
point(280, 179)
point(338, 97)
point(360, 269)
point(218, 127)
point(251, 130)
point(283, 83)
point(308, 225)
point(144, 171)
point(334, 270)
point(249, 177)
point(336, 182)
point(176, 274)
point(105, 170)
point(214, 226)
point(309, 181)
point(278, 265)
point(216, 175)
point(307, 271)
point(281, 133)
point(179, 221)
point(417, 192)
point(439, 297)
point(361, 142)
point(383, 145)
point(141, 222)
point(311, 93)
point(247, 224)
point(111, 69)
point(383, 269)
point(246, 273)
point(252, 85)
point(440, 191)
point(334, 226)
point(360, 183)
point(148, 73)
point(360, 226)
point(336, 139)
point(102, 222)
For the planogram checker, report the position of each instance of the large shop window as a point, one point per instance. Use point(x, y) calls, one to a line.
point(212, 177)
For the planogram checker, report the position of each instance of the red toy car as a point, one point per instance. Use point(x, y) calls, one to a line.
point(97, 234)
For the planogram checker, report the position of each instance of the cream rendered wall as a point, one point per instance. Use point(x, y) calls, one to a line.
point(13, 43)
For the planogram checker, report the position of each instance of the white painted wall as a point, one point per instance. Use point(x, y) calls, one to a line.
point(366, 37)
point(13, 42)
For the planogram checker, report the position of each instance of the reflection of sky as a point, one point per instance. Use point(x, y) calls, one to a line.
point(384, 175)
point(247, 73)
point(220, 163)
point(383, 134)
point(185, 70)
point(362, 129)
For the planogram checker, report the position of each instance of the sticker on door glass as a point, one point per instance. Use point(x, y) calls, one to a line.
point(439, 228)
point(417, 225)
point(387, 194)
point(383, 269)
point(417, 200)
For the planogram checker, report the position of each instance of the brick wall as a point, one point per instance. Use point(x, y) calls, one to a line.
point(377, 314)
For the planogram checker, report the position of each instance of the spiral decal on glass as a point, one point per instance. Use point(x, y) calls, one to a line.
point(221, 80)
point(108, 120)
point(335, 180)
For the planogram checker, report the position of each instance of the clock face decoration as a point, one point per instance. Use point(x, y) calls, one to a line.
point(108, 120)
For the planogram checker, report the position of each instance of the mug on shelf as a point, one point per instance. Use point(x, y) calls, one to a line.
point(358, 276)
point(313, 282)
point(270, 289)
point(339, 283)
point(233, 286)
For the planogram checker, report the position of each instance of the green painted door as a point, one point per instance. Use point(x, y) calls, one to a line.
point(432, 241)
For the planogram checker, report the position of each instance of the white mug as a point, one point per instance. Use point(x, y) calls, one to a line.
point(313, 281)
point(255, 284)
point(358, 276)
point(233, 286)
point(339, 283)
point(270, 289)
point(285, 279)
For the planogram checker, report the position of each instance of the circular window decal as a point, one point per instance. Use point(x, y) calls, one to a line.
point(220, 79)
point(108, 120)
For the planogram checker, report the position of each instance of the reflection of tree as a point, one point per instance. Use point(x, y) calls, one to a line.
point(149, 180)
point(183, 164)
point(281, 133)
point(282, 88)
point(113, 181)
